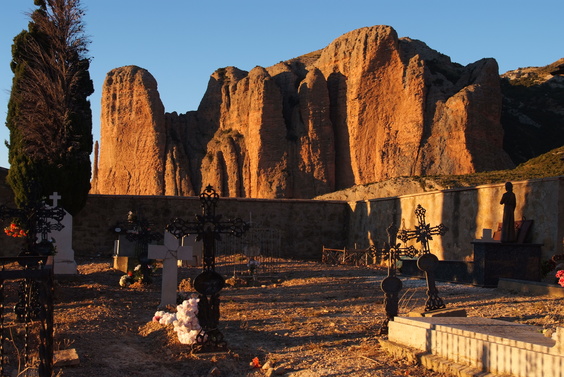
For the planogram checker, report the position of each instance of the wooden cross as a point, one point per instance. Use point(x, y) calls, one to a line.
point(170, 253)
point(208, 227)
point(426, 262)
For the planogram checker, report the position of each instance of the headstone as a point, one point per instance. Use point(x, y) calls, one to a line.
point(64, 262)
point(197, 250)
point(170, 253)
point(124, 253)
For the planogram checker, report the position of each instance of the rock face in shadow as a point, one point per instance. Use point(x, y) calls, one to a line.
point(366, 108)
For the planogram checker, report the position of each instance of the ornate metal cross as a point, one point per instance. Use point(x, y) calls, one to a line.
point(426, 262)
point(38, 219)
point(208, 227)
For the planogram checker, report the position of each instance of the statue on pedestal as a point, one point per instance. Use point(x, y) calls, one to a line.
point(508, 225)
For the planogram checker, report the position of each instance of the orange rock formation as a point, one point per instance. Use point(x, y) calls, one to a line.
point(366, 108)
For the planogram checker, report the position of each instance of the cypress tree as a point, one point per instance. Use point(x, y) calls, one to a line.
point(49, 115)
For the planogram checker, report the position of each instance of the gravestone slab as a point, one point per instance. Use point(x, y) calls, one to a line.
point(170, 253)
point(197, 250)
point(124, 254)
point(64, 262)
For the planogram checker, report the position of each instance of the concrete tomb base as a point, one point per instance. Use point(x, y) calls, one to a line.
point(475, 346)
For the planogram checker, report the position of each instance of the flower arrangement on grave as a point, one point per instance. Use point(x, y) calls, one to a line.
point(560, 276)
point(185, 320)
point(14, 230)
point(135, 276)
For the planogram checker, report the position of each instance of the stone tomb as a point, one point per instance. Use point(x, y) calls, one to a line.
point(475, 346)
point(170, 253)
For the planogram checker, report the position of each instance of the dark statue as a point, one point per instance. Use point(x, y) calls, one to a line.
point(508, 225)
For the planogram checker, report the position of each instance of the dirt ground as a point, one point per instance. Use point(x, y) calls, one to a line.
point(305, 319)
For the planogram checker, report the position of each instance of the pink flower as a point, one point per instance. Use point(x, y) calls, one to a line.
point(560, 273)
point(561, 281)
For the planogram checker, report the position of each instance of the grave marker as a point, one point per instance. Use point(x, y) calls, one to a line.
point(209, 227)
point(64, 262)
point(170, 253)
point(426, 262)
point(133, 240)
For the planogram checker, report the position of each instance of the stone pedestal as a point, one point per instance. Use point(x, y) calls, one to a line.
point(494, 260)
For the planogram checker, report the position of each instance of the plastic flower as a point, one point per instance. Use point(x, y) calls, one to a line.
point(15, 231)
point(125, 281)
point(255, 363)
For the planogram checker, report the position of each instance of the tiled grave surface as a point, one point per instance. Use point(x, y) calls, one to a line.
point(482, 344)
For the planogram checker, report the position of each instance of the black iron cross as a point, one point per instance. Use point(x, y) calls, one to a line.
point(37, 219)
point(391, 285)
point(423, 232)
point(427, 262)
point(208, 227)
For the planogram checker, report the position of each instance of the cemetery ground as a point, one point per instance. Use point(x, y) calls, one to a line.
point(305, 319)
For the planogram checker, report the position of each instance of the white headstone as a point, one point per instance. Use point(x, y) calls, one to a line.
point(64, 262)
point(170, 253)
point(197, 251)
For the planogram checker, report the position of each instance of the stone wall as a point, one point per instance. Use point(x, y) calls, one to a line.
point(308, 225)
point(305, 225)
point(466, 212)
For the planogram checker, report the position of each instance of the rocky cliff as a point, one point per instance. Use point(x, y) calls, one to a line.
point(533, 111)
point(368, 107)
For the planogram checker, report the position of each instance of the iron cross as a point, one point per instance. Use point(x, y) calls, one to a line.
point(208, 227)
point(427, 262)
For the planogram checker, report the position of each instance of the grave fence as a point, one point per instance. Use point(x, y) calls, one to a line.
point(352, 256)
point(261, 244)
point(26, 316)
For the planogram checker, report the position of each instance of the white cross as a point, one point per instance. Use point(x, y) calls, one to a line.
point(170, 253)
point(55, 198)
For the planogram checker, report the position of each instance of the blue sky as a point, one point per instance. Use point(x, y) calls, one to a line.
point(182, 42)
